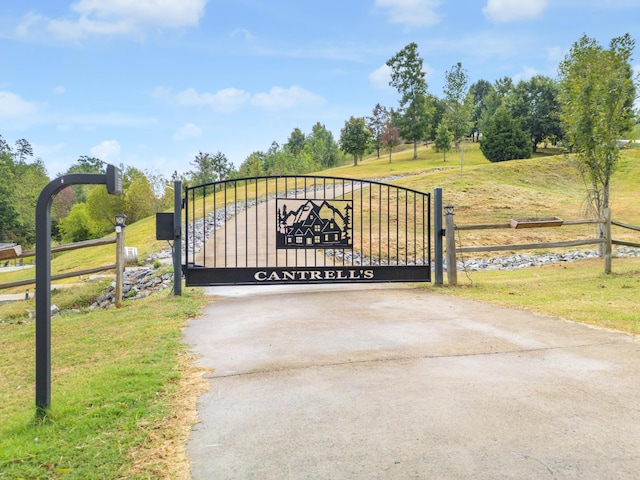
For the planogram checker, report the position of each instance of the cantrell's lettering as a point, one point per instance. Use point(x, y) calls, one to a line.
point(313, 275)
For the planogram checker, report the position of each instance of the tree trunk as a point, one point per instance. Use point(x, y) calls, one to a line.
point(415, 149)
point(390, 151)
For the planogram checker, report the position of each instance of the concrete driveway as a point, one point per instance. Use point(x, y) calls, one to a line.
point(392, 382)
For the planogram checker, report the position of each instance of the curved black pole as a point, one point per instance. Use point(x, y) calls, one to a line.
point(43, 270)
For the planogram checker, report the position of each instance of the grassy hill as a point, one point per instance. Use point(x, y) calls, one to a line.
point(483, 192)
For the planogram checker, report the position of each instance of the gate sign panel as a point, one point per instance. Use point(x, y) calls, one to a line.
point(313, 223)
point(305, 229)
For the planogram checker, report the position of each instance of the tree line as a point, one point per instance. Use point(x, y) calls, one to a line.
point(78, 212)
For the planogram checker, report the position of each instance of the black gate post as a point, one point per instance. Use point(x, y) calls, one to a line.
point(113, 181)
point(437, 234)
point(177, 237)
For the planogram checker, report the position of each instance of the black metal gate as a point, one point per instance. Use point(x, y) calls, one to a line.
point(305, 229)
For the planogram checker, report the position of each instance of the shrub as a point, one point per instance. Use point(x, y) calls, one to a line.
point(504, 138)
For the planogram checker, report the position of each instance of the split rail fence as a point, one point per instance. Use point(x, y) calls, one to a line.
point(605, 242)
point(64, 248)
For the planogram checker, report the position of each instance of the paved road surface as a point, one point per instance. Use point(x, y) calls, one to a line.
point(391, 382)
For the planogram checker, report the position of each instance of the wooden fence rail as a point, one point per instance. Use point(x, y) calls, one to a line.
point(60, 276)
point(71, 246)
point(64, 248)
point(607, 241)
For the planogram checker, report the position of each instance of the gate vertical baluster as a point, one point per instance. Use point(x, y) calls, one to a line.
point(304, 195)
point(397, 226)
point(185, 205)
point(204, 227)
point(193, 208)
point(370, 222)
point(257, 223)
point(379, 222)
point(429, 233)
point(215, 232)
point(266, 219)
point(423, 229)
point(415, 231)
point(235, 218)
point(361, 228)
point(388, 224)
point(246, 223)
point(186, 226)
point(226, 241)
point(286, 196)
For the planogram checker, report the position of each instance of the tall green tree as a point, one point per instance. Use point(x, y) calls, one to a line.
point(22, 151)
point(478, 92)
point(443, 140)
point(84, 164)
point(8, 214)
point(210, 168)
point(4, 146)
point(459, 108)
point(390, 137)
point(253, 165)
point(504, 86)
point(376, 123)
point(597, 92)
point(138, 201)
point(438, 108)
point(504, 138)
point(355, 137)
point(535, 103)
point(31, 179)
point(296, 142)
point(408, 77)
point(78, 225)
point(321, 147)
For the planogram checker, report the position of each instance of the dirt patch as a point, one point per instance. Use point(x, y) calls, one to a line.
point(164, 454)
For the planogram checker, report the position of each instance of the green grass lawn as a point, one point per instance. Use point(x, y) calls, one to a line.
point(115, 375)
point(576, 291)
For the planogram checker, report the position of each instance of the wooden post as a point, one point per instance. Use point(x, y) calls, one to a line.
point(450, 228)
point(120, 224)
point(607, 240)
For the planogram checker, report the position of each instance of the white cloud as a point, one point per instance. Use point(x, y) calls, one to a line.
point(59, 90)
point(107, 151)
point(113, 17)
point(556, 54)
point(232, 99)
point(186, 132)
point(280, 98)
point(380, 77)
point(412, 13)
point(13, 105)
point(242, 32)
point(225, 100)
point(47, 150)
point(526, 74)
point(504, 11)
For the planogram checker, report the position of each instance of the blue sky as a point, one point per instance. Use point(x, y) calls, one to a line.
point(149, 83)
